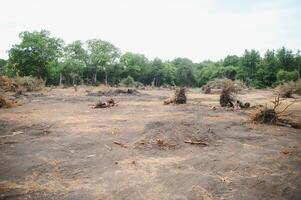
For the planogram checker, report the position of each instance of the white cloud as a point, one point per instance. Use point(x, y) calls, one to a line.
point(159, 28)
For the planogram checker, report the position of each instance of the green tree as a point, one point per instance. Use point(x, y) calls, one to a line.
point(184, 71)
point(249, 61)
point(76, 51)
point(231, 60)
point(133, 65)
point(34, 53)
point(156, 72)
point(286, 60)
point(72, 71)
point(102, 55)
point(3, 64)
point(74, 54)
point(169, 72)
point(267, 69)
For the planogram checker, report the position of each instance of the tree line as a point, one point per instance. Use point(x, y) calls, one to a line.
point(97, 61)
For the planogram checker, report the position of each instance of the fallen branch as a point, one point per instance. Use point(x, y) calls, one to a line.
point(120, 144)
point(9, 142)
point(195, 142)
point(109, 148)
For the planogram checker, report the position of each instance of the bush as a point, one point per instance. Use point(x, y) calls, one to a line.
point(220, 83)
point(130, 82)
point(285, 76)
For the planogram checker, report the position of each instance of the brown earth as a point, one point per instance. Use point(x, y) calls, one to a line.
point(55, 146)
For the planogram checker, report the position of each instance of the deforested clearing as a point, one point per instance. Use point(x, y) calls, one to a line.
point(56, 145)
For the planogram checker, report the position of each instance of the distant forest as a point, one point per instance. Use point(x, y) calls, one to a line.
point(97, 61)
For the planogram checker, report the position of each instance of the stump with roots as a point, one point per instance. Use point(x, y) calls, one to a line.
point(226, 98)
point(229, 99)
point(272, 115)
point(207, 90)
point(178, 98)
point(266, 116)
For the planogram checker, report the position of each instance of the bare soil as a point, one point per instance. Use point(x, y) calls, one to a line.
point(55, 146)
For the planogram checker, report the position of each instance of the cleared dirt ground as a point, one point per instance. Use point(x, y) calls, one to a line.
point(55, 146)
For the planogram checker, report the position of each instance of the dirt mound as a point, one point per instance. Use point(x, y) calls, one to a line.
point(174, 135)
point(114, 92)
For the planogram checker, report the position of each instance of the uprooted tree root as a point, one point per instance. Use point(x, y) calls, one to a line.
point(206, 89)
point(228, 98)
point(178, 98)
point(274, 115)
point(6, 103)
point(107, 104)
point(8, 84)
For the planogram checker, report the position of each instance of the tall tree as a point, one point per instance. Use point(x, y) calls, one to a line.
point(34, 53)
point(231, 60)
point(74, 61)
point(102, 55)
point(2, 66)
point(76, 51)
point(133, 65)
point(286, 60)
point(250, 60)
point(184, 71)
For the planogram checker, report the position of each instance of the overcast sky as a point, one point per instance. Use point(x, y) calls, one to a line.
point(197, 29)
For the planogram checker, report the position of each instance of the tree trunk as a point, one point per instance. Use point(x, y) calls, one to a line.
point(106, 78)
point(95, 77)
point(61, 78)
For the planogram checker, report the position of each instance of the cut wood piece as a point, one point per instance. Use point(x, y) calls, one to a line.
point(120, 144)
point(195, 142)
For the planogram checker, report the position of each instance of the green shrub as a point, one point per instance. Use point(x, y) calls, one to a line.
point(220, 83)
point(129, 81)
point(285, 76)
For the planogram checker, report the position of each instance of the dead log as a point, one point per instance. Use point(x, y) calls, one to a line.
point(109, 103)
point(120, 144)
point(169, 101)
point(195, 142)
